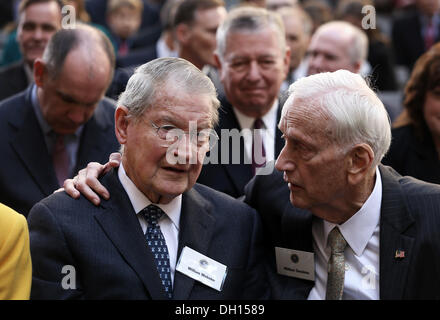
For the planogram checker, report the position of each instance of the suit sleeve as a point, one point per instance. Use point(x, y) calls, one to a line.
point(54, 273)
point(15, 259)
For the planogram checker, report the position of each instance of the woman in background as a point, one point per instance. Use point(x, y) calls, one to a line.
point(415, 147)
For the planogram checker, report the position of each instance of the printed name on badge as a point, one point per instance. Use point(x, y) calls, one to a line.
point(201, 268)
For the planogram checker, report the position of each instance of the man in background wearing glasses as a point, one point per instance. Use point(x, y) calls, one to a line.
point(160, 235)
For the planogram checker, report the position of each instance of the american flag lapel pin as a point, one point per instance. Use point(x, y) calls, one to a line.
point(400, 254)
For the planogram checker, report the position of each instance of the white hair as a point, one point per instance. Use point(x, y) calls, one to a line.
point(151, 78)
point(249, 19)
point(356, 115)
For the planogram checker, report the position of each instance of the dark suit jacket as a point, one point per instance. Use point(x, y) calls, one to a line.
point(108, 249)
point(411, 156)
point(231, 178)
point(27, 174)
point(13, 80)
point(137, 57)
point(407, 38)
point(409, 222)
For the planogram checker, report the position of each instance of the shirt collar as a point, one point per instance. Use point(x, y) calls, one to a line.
point(139, 201)
point(268, 119)
point(358, 230)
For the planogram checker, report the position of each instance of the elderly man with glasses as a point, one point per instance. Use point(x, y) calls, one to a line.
point(160, 235)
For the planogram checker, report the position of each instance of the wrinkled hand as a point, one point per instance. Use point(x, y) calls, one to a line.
point(87, 183)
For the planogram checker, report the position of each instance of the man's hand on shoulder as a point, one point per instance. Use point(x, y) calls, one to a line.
point(87, 183)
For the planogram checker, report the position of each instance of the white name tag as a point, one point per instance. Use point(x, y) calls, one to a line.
point(201, 268)
point(295, 263)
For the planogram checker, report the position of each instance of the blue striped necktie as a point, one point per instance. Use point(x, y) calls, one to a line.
point(156, 243)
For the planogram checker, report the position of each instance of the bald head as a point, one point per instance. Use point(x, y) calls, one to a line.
point(89, 43)
point(337, 45)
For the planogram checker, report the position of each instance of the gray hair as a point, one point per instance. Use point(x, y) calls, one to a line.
point(148, 80)
point(249, 19)
point(358, 40)
point(65, 41)
point(356, 115)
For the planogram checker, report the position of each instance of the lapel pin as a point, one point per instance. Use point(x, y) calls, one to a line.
point(400, 254)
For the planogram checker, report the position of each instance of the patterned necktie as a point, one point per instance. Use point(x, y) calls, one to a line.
point(156, 243)
point(60, 159)
point(258, 152)
point(336, 265)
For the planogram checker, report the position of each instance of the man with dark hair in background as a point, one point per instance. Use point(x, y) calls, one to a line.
point(38, 21)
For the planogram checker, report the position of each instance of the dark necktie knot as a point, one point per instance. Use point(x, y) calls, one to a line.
point(258, 124)
point(152, 214)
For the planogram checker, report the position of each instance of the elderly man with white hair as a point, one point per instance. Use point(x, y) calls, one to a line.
point(357, 229)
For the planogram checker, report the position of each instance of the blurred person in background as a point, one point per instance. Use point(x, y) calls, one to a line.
point(379, 51)
point(298, 27)
point(38, 21)
point(124, 18)
point(415, 30)
point(415, 148)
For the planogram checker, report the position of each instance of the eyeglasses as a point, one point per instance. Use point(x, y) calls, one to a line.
point(171, 134)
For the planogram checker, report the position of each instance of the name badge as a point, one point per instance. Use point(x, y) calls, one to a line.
point(201, 268)
point(295, 263)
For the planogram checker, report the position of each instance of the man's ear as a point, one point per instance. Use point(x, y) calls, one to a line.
point(357, 66)
point(361, 157)
point(182, 32)
point(121, 124)
point(39, 72)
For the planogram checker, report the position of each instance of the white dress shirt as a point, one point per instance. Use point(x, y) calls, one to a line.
point(268, 133)
point(361, 232)
point(169, 222)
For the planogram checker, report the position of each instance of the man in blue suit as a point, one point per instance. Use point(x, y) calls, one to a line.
point(345, 207)
point(160, 235)
point(62, 122)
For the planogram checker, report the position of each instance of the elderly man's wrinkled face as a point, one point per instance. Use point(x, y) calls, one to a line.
point(253, 69)
point(148, 159)
point(37, 24)
point(313, 166)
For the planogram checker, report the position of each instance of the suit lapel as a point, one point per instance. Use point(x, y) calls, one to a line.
point(30, 146)
point(394, 221)
point(196, 229)
point(119, 222)
point(241, 173)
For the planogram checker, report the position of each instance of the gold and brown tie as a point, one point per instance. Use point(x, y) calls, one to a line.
point(336, 265)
